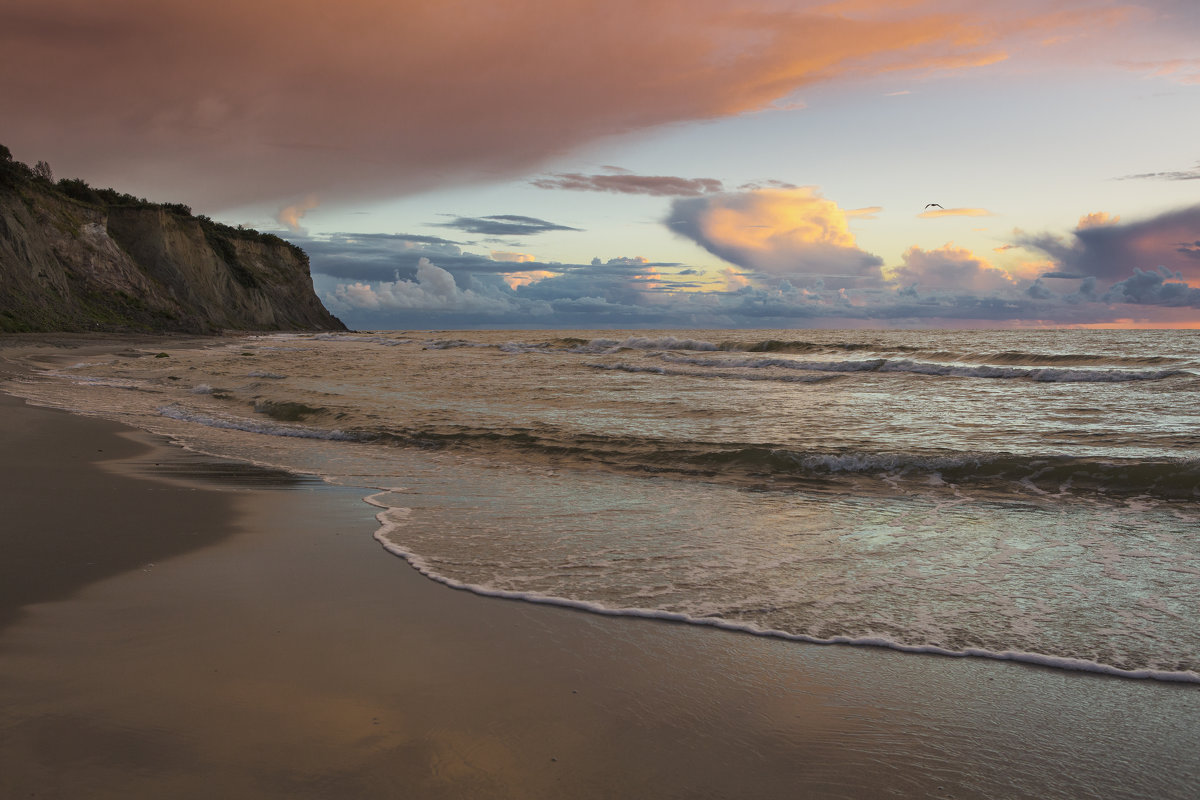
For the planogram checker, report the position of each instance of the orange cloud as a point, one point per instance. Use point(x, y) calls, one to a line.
point(775, 231)
point(515, 280)
point(290, 216)
point(384, 98)
point(870, 212)
point(1097, 219)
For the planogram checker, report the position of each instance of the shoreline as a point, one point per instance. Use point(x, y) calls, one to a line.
point(251, 639)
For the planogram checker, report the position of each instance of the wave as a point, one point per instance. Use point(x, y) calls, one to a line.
point(674, 343)
point(1050, 475)
point(644, 343)
point(386, 341)
point(635, 368)
point(794, 346)
point(763, 465)
point(255, 426)
point(388, 527)
point(1019, 358)
point(1038, 374)
point(452, 344)
point(1033, 361)
point(1049, 367)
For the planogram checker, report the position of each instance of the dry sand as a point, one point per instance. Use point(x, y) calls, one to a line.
point(174, 627)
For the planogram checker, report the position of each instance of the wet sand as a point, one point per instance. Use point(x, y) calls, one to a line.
point(176, 627)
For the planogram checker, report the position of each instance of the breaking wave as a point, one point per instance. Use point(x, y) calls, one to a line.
point(760, 464)
point(1040, 374)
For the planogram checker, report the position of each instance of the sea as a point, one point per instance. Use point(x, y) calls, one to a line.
point(1025, 495)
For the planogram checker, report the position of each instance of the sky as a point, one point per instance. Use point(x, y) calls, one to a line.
point(652, 163)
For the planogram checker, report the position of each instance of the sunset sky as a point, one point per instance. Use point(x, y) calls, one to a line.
point(652, 163)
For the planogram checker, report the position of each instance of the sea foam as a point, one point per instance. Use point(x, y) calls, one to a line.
point(392, 520)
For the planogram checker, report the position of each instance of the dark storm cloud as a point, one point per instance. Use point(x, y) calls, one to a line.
point(1112, 252)
point(504, 225)
point(1154, 288)
point(626, 183)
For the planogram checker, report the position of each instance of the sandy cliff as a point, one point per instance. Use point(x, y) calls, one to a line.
point(75, 259)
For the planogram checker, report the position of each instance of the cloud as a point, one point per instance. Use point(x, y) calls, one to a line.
point(504, 225)
point(954, 212)
point(1113, 251)
point(1181, 70)
point(627, 183)
point(770, 183)
point(950, 268)
point(432, 289)
point(1192, 174)
point(518, 258)
point(1096, 220)
point(774, 232)
point(265, 100)
point(379, 256)
point(1154, 288)
point(290, 216)
point(402, 281)
point(515, 280)
point(871, 212)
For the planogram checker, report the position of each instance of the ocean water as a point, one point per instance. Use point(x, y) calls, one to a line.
point(1026, 495)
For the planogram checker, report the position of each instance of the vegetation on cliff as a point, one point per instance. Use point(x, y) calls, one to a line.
point(76, 257)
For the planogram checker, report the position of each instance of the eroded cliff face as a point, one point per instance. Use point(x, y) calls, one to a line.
point(68, 265)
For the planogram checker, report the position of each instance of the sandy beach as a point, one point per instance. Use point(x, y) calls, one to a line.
point(175, 626)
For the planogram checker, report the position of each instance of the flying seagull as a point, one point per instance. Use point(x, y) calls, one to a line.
point(934, 205)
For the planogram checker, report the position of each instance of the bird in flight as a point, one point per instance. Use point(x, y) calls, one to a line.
point(934, 205)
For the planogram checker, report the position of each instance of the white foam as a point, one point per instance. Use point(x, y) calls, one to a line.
point(644, 343)
point(636, 368)
point(451, 344)
point(1040, 374)
point(752, 362)
point(392, 519)
point(253, 426)
point(359, 338)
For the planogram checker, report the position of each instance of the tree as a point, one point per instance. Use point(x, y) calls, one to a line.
point(42, 170)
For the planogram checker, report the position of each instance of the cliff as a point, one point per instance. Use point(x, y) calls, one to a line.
point(73, 258)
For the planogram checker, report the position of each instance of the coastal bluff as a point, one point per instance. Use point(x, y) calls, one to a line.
point(75, 258)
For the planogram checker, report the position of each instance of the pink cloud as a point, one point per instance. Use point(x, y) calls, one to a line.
point(950, 268)
point(220, 102)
